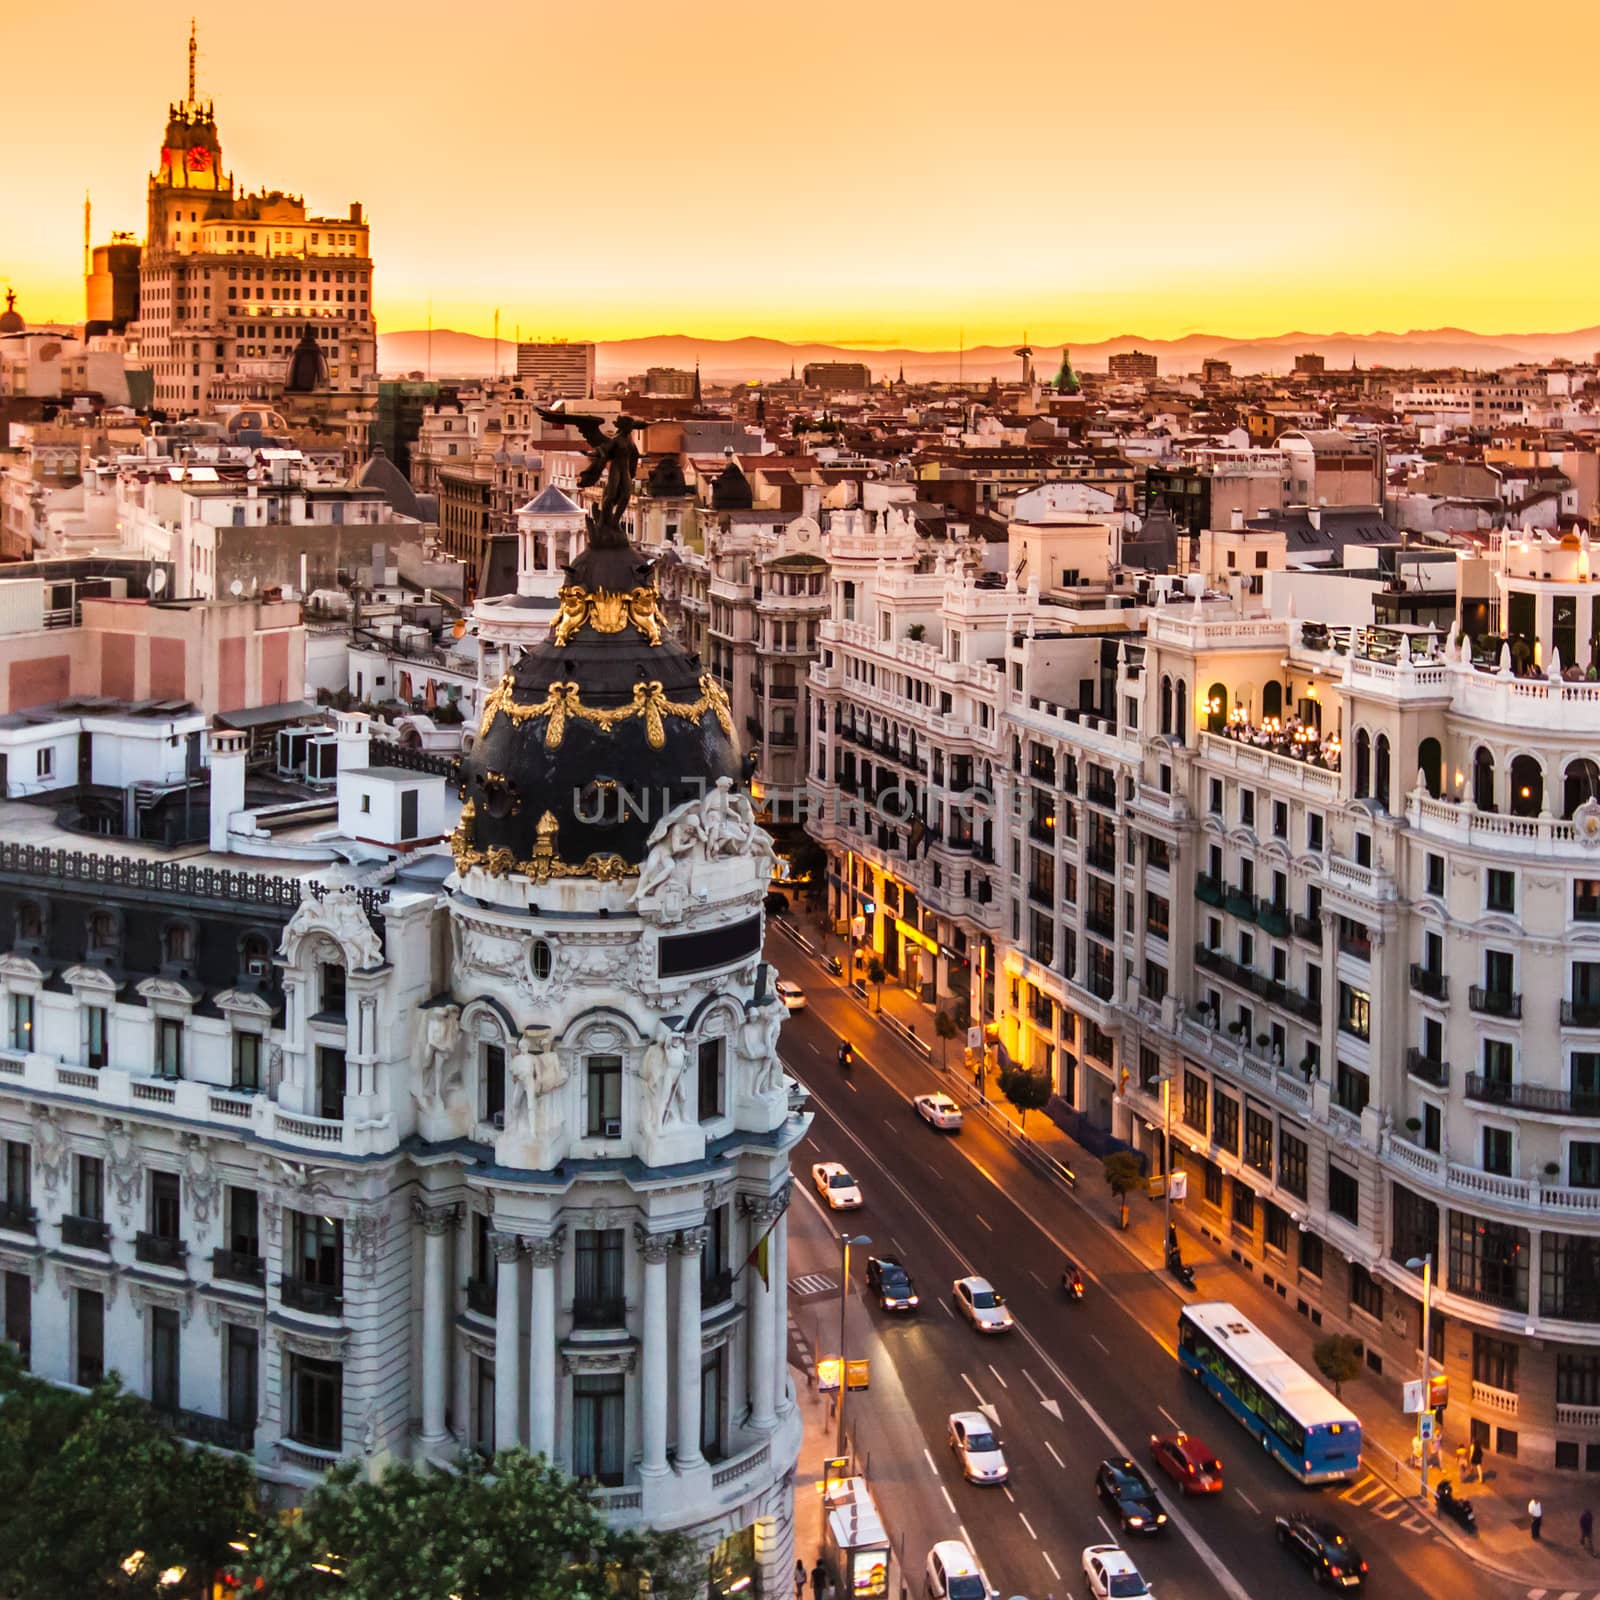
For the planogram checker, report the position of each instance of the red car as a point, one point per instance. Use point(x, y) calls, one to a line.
point(1191, 1463)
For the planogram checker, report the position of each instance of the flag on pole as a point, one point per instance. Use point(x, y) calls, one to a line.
point(761, 1256)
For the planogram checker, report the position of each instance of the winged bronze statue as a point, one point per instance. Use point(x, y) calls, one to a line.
point(613, 456)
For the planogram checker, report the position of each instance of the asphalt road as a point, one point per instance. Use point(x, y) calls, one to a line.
point(1072, 1383)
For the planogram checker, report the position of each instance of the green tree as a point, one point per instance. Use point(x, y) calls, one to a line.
point(877, 975)
point(947, 1028)
point(1123, 1175)
point(89, 1480)
point(1338, 1359)
point(1027, 1091)
point(516, 1529)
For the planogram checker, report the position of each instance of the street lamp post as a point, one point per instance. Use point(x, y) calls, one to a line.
point(845, 1240)
point(1166, 1161)
point(1426, 1263)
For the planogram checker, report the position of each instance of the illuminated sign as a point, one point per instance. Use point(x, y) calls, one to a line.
point(869, 1574)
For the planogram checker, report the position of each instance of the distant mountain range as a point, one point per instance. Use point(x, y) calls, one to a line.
point(469, 355)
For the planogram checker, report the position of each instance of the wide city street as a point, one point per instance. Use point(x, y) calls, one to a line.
point(1072, 1383)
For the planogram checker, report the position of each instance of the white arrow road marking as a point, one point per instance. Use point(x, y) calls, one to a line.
point(1052, 1449)
point(1029, 1526)
point(973, 1387)
point(1054, 1408)
point(997, 1378)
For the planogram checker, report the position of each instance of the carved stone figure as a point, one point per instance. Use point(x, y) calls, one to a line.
point(49, 1148)
point(536, 1074)
point(338, 912)
point(199, 1176)
point(664, 1074)
point(440, 1072)
point(758, 1042)
point(720, 824)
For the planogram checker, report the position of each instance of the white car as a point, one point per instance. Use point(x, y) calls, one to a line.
point(953, 1573)
point(977, 1301)
point(1110, 1575)
point(836, 1186)
point(972, 1438)
point(791, 994)
point(939, 1110)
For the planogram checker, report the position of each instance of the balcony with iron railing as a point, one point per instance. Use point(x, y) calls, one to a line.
point(1355, 942)
point(18, 1218)
point(1101, 794)
point(1273, 917)
point(716, 1289)
point(1584, 1013)
point(1043, 830)
point(1427, 1068)
point(1532, 1097)
point(86, 1233)
point(600, 1311)
point(1240, 903)
point(1208, 889)
point(160, 1251)
point(1495, 1002)
point(1308, 927)
point(218, 1432)
point(239, 1266)
point(1429, 981)
point(302, 1294)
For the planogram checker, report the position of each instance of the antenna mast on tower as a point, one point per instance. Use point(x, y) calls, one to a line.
point(191, 60)
point(86, 233)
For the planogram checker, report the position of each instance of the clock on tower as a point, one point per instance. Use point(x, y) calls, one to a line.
point(199, 159)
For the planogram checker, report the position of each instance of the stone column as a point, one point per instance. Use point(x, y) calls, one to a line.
point(764, 1212)
point(689, 1244)
point(779, 1356)
point(654, 1248)
point(546, 1254)
point(436, 1222)
point(507, 1342)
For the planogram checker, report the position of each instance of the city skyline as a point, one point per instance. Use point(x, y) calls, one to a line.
point(1199, 183)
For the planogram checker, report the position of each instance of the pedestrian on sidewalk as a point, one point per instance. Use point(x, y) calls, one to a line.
point(1475, 1461)
point(799, 1580)
point(819, 1579)
point(1586, 1530)
point(1536, 1515)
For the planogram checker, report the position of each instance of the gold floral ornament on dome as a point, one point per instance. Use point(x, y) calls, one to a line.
point(606, 612)
point(542, 866)
point(564, 700)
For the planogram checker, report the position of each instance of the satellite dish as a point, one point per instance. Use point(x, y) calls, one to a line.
point(236, 588)
point(158, 580)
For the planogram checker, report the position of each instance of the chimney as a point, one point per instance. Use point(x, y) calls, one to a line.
point(229, 750)
point(353, 738)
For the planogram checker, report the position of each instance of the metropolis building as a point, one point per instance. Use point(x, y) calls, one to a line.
point(434, 1154)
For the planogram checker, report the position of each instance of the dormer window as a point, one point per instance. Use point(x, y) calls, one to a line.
point(255, 956)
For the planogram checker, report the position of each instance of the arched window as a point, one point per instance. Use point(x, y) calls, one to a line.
point(1217, 707)
point(1483, 778)
point(1166, 704)
point(1363, 786)
point(1430, 763)
point(1180, 721)
point(1582, 783)
point(1380, 771)
point(1527, 787)
point(1272, 700)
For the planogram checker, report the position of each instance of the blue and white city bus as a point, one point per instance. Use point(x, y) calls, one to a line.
point(1303, 1427)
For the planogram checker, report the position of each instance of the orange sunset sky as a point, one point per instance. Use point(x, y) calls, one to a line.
point(884, 173)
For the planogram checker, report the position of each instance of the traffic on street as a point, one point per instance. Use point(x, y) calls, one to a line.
point(1115, 1460)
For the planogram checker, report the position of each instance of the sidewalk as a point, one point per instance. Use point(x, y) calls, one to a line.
point(1503, 1543)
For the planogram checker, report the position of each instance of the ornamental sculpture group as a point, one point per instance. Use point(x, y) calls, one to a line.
point(720, 824)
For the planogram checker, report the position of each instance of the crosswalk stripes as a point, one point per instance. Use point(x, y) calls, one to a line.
point(812, 1283)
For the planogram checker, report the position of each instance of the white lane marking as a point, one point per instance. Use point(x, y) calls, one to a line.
point(1178, 1426)
point(1111, 1537)
point(1052, 1566)
point(944, 1306)
point(1249, 1502)
point(947, 1500)
point(888, 1124)
point(1101, 1342)
point(1038, 1280)
point(1214, 1564)
point(1029, 1526)
point(966, 1538)
point(851, 1087)
point(1034, 1381)
point(899, 1249)
point(1009, 1496)
point(932, 1464)
point(979, 1216)
point(815, 1049)
point(1058, 1461)
point(986, 1172)
point(997, 1378)
point(973, 1387)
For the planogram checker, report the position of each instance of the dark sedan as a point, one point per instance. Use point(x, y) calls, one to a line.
point(1323, 1548)
point(891, 1283)
point(1125, 1488)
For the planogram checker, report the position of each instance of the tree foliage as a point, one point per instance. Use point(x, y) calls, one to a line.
point(947, 1029)
point(1338, 1359)
point(87, 1480)
point(1027, 1091)
point(878, 975)
point(1123, 1173)
point(518, 1529)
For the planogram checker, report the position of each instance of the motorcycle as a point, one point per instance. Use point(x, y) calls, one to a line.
point(1072, 1281)
point(1176, 1266)
point(1449, 1504)
point(847, 1057)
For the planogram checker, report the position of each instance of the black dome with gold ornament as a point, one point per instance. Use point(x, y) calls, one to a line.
point(595, 735)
